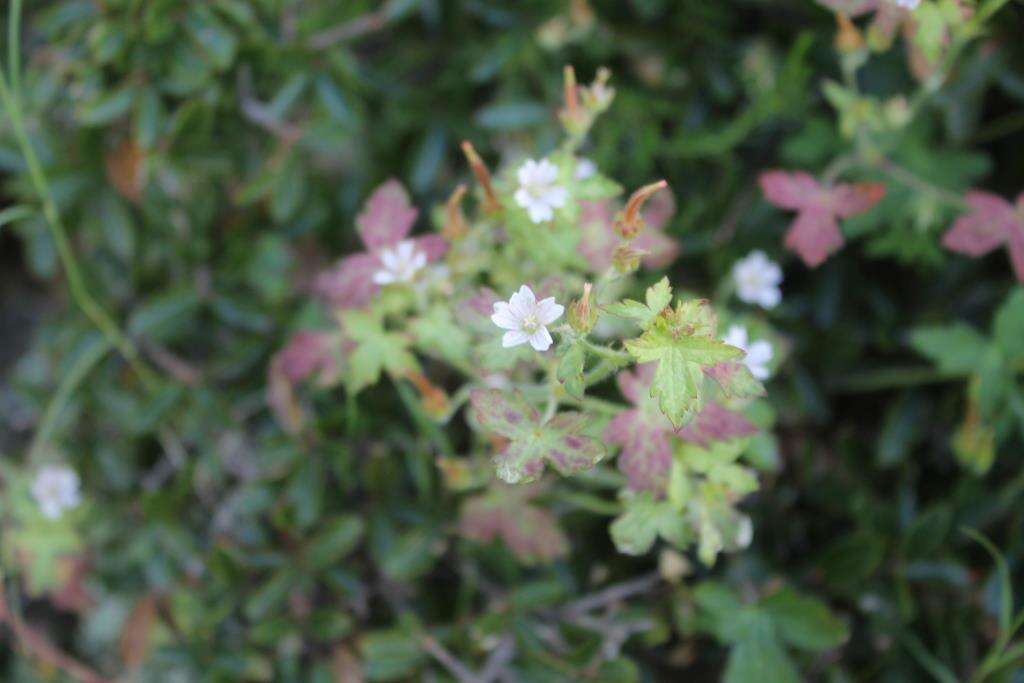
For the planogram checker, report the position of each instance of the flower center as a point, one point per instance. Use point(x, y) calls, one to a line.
point(530, 323)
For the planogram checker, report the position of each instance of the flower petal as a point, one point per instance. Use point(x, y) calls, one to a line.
point(548, 311)
point(503, 317)
point(514, 338)
point(541, 339)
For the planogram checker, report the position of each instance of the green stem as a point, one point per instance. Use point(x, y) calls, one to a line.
point(78, 372)
point(621, 357)
point(76, 283)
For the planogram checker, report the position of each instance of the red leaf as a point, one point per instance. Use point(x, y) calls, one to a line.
point(850, 199)
point(349, 284)
point(792, 191)
point(387, 216)
point(531, 533)
point(991, 222)
point(814, 236)
point(716, 423)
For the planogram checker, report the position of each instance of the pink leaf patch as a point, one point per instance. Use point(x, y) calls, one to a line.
point(814, 235)
point(306, 353)
point(387, 216)
point(349, 283)
point(597, 221)
point(559, 441)
point(643, 433)
point(716, 423)
point(530, 532)
point(990, 223)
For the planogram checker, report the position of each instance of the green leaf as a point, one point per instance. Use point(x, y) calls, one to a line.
point(804, 622)
point(437, 334)
point(107, 108)
point(955, 348)
point(532, 444)
point(658, 296)
point(14, 213)
point(390, 655)
point(570, 370)
point(376, 351)
point(758, 657)
point(682, 343)
point(644, 520)
point(1008, 328)
point(338, 538)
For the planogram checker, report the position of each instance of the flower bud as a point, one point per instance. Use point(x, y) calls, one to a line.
point(629, 223)
point(626, 259)
point(483, 176)
point(848, 37)
point(582, 313)
point(454, 222)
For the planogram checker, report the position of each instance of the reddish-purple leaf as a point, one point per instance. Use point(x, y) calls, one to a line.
point(305, 353)
point(735, 380)
point(850, 199)
point(991, 222)
point(502, 412)
point(643, 432)
point(433, 246)
point(716, 423)
point(645, 438)
point(597, 222)
point(793, 191)
point(531, 533)
point(531, 444)
point(349, 283)
point(814, 236)
point(387, 216)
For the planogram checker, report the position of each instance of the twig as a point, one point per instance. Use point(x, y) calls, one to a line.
point(614, 593)
point(258, 113)
point(173, 365)
point(36, 645)
point(349, 30)
point(449, 661)
point(501, 656)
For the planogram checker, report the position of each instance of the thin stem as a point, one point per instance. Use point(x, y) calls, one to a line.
point(907, 177)
point(78, 372)
point(76, 284)
point(621, 357)
point(14, 48)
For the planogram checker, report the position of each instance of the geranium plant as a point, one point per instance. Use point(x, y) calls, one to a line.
point(520, 308)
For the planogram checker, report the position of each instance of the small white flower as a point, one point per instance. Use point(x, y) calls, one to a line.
point(55, 489)
point(526, 319)
point(910, 5)
point(537, 191)
point(757, 280)
point(399, 263)
point(759, 353)
point(585, 168)
point(744, 532)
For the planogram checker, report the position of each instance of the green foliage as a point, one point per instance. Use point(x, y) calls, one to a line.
point(279, 486)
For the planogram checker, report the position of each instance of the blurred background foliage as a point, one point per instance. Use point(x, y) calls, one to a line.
point(208, 157)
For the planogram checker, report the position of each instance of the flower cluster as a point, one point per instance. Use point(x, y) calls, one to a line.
point(556, 233)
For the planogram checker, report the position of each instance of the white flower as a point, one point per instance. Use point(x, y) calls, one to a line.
point(759, 353)
point(910, 5)
point(55, 489)
point(537, 191)
point(744, 532)
point(757, 280)
point(585, 168)
point(525, 318)
point(399, 263)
